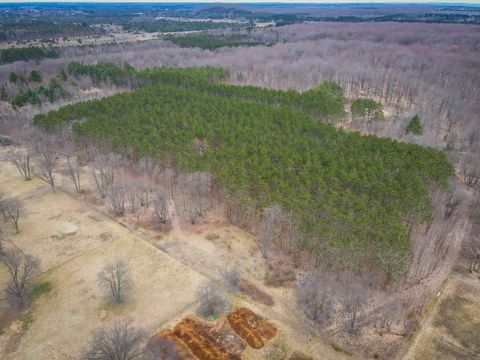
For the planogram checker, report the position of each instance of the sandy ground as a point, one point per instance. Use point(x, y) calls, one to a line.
point(74, 240)
point(452, 328)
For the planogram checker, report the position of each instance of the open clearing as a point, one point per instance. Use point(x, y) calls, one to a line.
point(452, 330)
point(74, 240)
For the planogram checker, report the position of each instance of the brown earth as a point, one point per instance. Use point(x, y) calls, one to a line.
point(250, 327)
point(223, 341)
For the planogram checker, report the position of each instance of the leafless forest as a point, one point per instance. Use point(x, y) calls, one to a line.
point(432, 70)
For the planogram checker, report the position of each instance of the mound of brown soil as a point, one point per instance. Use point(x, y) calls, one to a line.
point(193, 339)
point(199, 341)
point(251, 327)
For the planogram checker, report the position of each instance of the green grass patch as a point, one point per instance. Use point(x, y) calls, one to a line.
point(26, 320)
point(40, 289)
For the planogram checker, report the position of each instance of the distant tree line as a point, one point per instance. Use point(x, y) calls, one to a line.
point(26, 53)
point(174, 26)
point(206, 41)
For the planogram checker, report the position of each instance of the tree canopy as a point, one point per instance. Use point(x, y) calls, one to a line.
point(415, 126)
point(367, 109)
point(348, 192)
point(27, 53)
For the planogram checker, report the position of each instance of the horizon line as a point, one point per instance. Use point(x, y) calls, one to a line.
point(247, 2)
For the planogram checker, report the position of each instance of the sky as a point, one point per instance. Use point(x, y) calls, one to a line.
point(476, 2)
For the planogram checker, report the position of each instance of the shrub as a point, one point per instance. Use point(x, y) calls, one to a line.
point(415, 126)
point(367, 109)
point(40, 289)
point(35, 76)
point(213, 301)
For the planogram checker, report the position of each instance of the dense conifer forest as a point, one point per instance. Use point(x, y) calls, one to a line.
point(348, 191)
point(210, 42)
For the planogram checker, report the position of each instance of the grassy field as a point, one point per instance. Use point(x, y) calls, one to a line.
point(74, 238)
point(453, 327)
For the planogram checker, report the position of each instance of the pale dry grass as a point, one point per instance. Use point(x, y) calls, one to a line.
point(452, 329)
point(74, 238)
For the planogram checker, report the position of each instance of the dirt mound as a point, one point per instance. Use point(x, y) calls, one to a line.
point(194, 339)
point(250, 327)
point(227, 337)
point(198, 339)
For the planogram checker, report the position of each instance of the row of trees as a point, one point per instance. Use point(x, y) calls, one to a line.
point(142, 190)
point(21, 267)
point(206, 41)
point(27, 53)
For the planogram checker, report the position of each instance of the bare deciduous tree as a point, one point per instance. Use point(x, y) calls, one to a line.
point(45, 146)
point(72, 165)
point(353, 301)
point(471, 175)
point(475, 258)
point(316, 295)
point(190, 210)
point(131, 189)
point(159, 348)
point(473, 240)
point(115, 279)
point(3, 204)
point(120, 341)
point(21, 268)
point(3, 237)
point(160, 206)
point(231, 277)
point(213, 300)
point(385, 316)
point(143, 191)
point(116, 194)
point(103, 171)
point(452, 204)
point(195, 191)
point(276, 228)
point(12, 209)
point(72, 169)
point(21, 159)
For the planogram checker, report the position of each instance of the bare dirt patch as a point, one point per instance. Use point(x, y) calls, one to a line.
point(224, 340)
point(250, 327)
point(255, 293)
